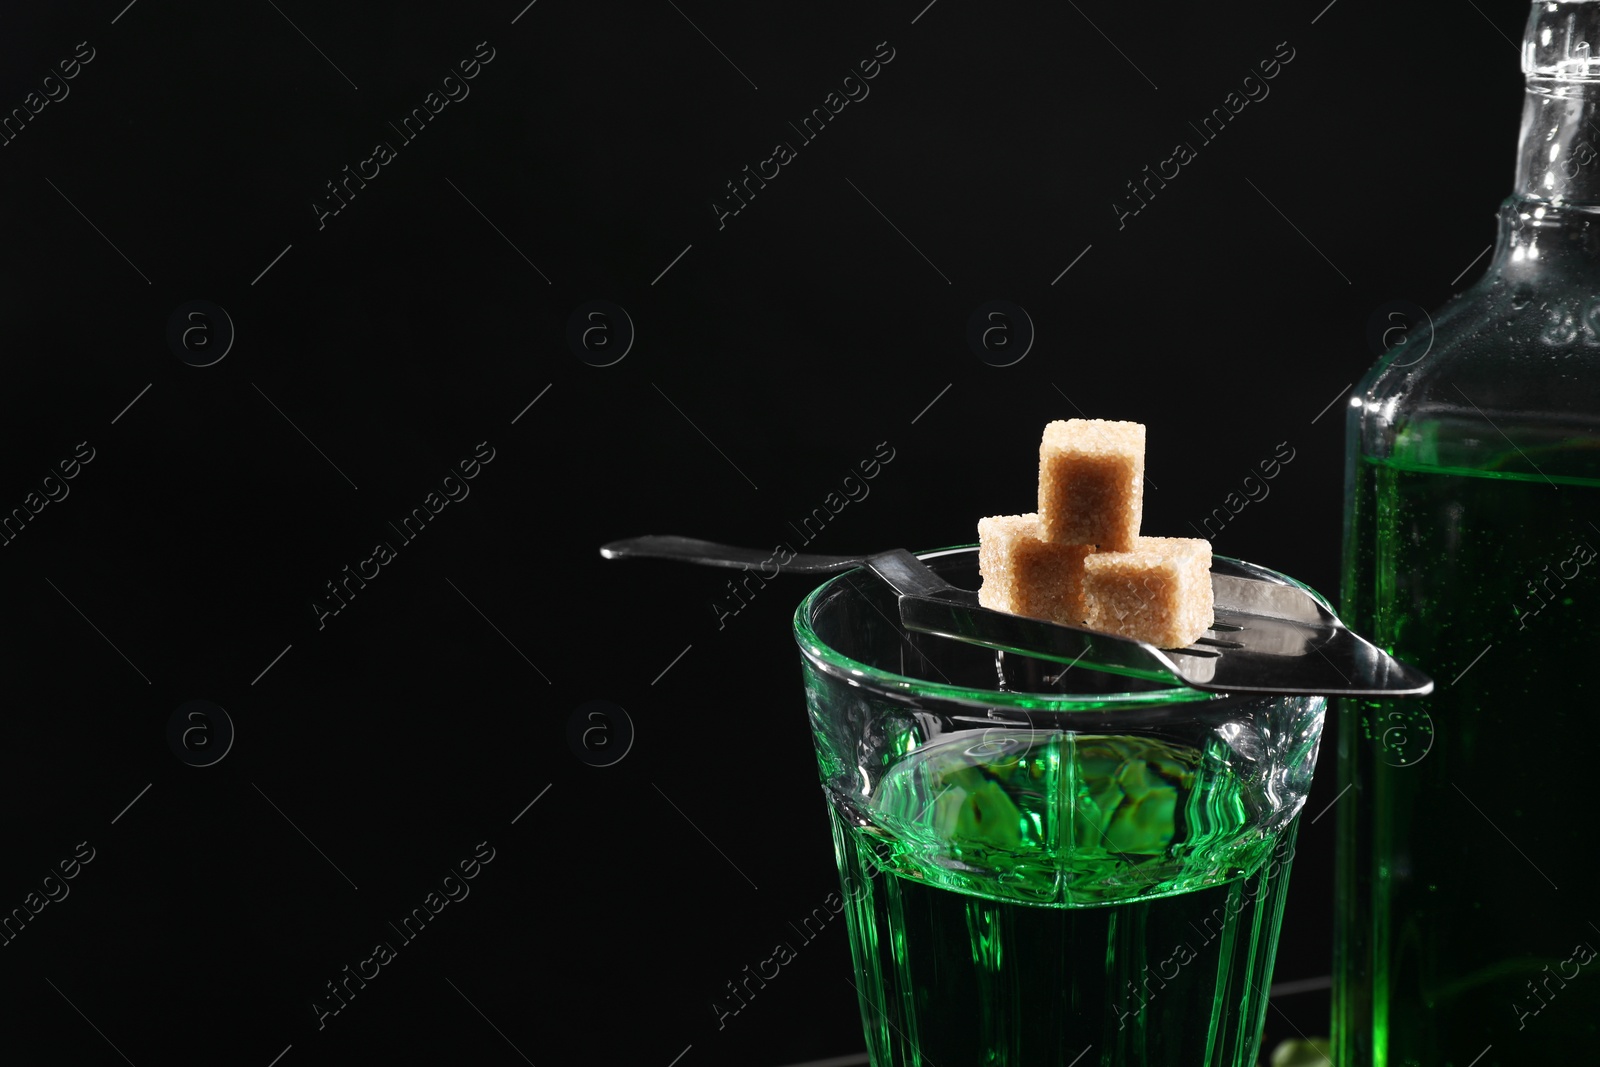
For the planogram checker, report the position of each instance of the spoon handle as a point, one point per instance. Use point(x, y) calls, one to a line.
point(711, 554)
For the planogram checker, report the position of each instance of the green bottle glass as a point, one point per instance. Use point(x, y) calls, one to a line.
point(1466, 932)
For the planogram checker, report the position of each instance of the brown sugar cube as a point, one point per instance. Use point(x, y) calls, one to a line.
point(1160, 592)
point(1026, 575)
point(1091, 482)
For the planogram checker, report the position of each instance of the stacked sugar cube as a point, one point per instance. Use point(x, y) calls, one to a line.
point(1080, 560)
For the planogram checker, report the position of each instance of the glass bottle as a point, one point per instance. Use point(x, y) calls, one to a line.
point(1467, 932)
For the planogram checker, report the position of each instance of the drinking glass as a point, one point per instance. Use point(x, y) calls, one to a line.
point(1043, 864)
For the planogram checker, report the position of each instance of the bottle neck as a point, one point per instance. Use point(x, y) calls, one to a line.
point(1551, 221)
point(1558, 154)
point(1552, 218)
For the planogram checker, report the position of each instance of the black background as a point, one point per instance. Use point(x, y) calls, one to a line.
point(775, 353)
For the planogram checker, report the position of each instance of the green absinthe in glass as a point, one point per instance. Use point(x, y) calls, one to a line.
point(1465, 924)
point(1018, 900)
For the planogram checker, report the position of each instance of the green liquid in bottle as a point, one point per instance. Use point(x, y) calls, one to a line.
point(1467, 910)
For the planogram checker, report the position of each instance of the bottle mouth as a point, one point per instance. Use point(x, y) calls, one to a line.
point(1562, 41)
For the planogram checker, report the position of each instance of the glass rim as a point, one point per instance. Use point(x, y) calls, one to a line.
point(836, 663)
